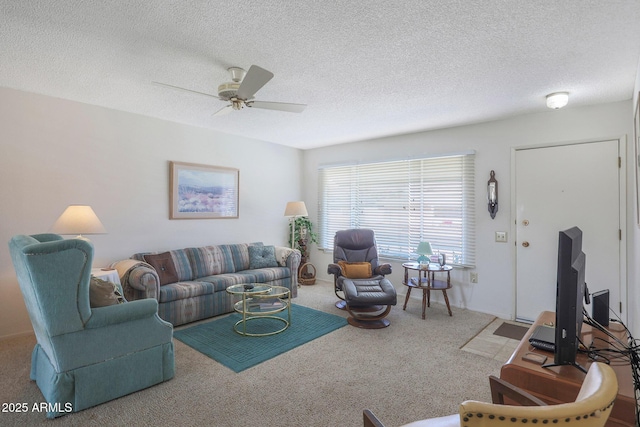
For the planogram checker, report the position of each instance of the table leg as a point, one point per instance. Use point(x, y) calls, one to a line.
point(424, 301)
point(446, 299)
point(407, 297)
point(244, 313)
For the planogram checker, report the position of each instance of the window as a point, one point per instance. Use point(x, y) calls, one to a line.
point(404, 202)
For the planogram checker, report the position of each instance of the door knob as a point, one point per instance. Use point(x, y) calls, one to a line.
point(525, 244)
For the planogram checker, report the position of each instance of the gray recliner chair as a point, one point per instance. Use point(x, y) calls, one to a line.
point(359, 279)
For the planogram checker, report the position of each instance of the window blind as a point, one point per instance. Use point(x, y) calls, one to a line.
point(404, 202)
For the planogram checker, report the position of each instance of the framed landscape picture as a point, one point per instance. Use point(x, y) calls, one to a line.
point(203, 192)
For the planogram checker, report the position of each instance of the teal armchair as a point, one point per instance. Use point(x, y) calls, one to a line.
point(85, 356)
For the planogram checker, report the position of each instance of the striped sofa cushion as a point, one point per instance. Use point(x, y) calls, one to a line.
point(265, 275)
point(239, 253)
point(208, 261)
point(202, 286)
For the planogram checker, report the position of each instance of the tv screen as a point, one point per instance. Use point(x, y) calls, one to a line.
point(570, 291)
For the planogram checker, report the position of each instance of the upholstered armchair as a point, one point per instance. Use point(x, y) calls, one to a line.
point(85, 356)
point(358, 278)
point(591, 408)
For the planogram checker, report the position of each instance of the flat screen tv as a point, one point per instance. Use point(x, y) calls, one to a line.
point(570, 291)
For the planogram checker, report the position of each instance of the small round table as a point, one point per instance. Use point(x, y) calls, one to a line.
point(261, 301)
point(427, 282)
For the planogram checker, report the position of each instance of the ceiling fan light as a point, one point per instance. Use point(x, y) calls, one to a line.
point(557, 100)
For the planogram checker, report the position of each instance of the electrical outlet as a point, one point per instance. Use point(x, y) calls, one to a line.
point(501, 236)
point(473, 277)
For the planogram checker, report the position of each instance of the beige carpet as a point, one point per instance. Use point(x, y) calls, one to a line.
point(411, 370)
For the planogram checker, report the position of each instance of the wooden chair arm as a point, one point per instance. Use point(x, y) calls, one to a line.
point(370, 420)
point(501, 388)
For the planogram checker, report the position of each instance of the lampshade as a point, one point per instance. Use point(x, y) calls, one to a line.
point(424, 248)
point(296, 209)
point(557, 100)
point(78, 219)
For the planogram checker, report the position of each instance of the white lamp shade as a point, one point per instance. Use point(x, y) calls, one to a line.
point(557, 100)
point(424, 248)
point(78, 219)
point(296, 209)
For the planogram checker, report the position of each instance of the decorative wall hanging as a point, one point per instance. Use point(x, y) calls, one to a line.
point(492, 195)
point(201, 191)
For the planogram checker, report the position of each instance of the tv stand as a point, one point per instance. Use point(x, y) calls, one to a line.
point(560, 384)
point(576, 364)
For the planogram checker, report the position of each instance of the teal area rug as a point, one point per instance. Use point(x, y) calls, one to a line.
point(218, 340)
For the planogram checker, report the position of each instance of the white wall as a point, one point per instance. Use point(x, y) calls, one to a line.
point(493, 143)
point(633, 255)
point(56, 152)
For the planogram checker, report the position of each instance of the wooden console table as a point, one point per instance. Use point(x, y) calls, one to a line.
point(560, 384)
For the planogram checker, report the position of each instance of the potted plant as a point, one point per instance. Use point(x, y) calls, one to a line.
point(303, 235)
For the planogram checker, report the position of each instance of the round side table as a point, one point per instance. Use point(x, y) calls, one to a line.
point(426, 280)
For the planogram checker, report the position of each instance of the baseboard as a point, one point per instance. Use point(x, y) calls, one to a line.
point(17, 335)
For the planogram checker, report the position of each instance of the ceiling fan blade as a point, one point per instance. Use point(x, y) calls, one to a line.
point(282, 106)
point(253, 81)
point(224, 110)
point(182, 88)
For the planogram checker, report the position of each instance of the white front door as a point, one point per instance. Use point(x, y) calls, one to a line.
point(557, 188)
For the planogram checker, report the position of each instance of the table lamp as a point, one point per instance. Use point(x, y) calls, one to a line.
point(294, 210)
point(424, 250)
point(78, 219)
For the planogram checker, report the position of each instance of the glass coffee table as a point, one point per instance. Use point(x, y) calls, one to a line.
point(261, 301)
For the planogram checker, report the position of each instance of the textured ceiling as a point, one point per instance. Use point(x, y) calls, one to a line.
point(366, 68)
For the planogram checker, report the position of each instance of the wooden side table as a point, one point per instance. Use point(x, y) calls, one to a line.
point(561, 384)
point(427, 281)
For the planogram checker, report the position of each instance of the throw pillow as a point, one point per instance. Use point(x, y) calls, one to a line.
point(103, 293)
point(355, 270)
point(262, 257)
point(163, 264)
point(282, 253)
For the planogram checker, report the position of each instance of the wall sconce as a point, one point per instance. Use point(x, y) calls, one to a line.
point(492, 195)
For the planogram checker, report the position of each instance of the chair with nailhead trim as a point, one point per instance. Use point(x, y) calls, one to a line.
point(591, 408)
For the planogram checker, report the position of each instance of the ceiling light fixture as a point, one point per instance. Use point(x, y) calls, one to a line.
point(557, 100)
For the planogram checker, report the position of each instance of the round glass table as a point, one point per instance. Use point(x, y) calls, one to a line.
point(259, 303)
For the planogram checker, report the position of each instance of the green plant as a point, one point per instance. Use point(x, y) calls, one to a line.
point(303, 223)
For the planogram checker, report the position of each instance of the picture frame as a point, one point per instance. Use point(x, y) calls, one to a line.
point(636, 155)
point(202, 191)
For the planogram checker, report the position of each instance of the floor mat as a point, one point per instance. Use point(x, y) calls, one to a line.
point(515, 332)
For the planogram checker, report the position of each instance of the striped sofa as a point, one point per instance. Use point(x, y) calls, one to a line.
point(200, 276)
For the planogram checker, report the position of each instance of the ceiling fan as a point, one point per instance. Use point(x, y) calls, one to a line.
point(241, 90)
